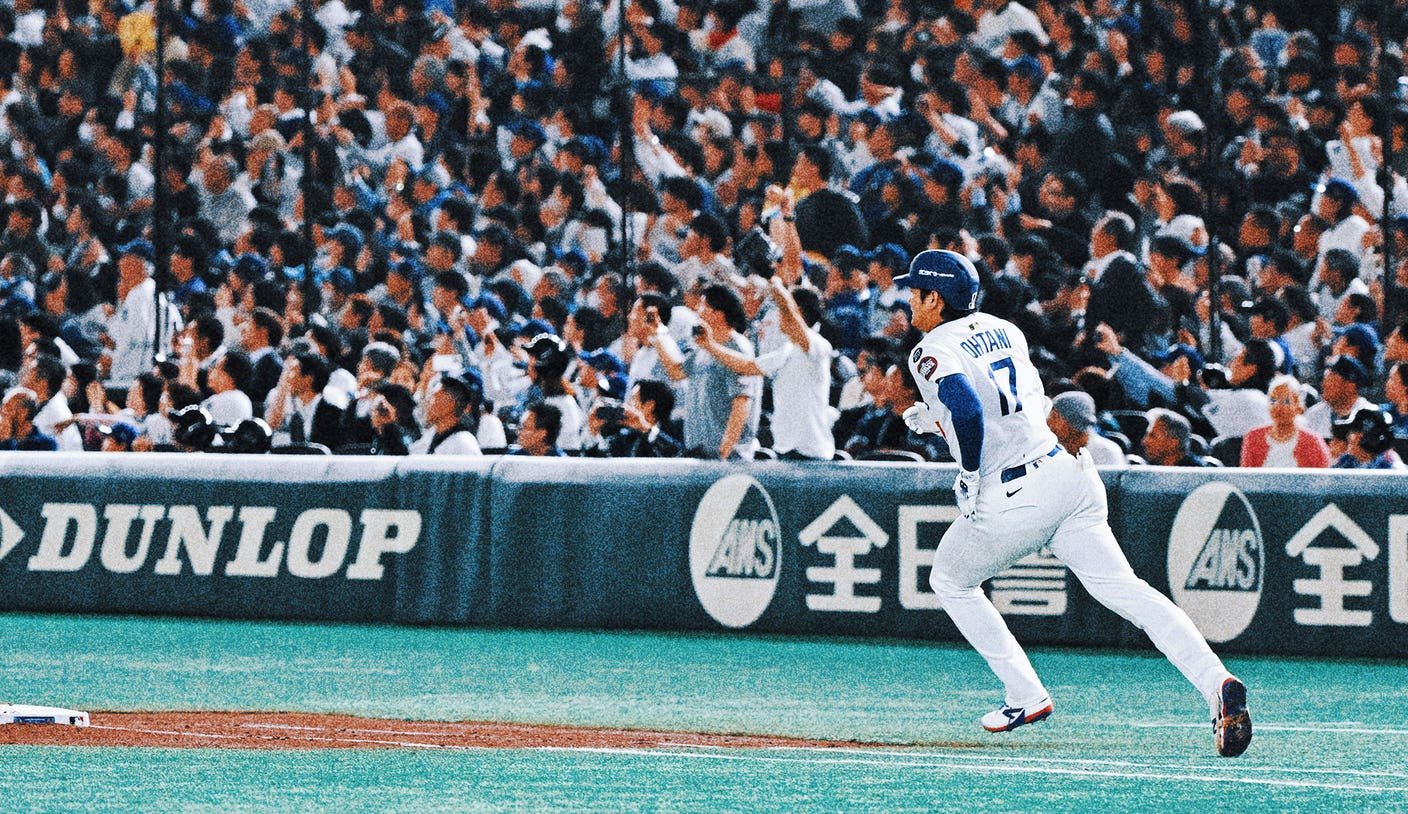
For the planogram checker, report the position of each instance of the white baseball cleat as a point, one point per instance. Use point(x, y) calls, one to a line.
point(1006, 719)
point(1232, 728)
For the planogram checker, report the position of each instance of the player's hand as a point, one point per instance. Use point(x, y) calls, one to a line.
point(965, 491)
point(920, 420)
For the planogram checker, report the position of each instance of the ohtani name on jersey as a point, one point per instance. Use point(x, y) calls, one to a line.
point(986, 342)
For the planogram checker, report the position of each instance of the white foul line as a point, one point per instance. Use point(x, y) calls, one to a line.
point(982, 769)
point(965, 755)
point(954, 762)
point(1327, 728)
point(1029, 759)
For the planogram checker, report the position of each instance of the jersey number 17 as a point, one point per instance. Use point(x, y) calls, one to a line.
point(1005, 365)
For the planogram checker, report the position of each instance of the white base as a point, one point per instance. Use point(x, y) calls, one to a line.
point(30, 714)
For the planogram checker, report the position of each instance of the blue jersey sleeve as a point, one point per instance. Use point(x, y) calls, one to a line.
point(958, 395)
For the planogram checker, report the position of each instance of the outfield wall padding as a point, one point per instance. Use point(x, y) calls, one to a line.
point(1264, 562)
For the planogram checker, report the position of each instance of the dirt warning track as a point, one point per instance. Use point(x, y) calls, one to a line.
point(286, 730)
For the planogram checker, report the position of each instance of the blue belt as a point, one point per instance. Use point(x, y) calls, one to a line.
point(1014, 472)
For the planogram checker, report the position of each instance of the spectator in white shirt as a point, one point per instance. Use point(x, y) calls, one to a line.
point(801, 375)
point(228, 380)
point(45, 375)
point(221, 202)
point(646, 59)
point(1339, 395)
point(297, 410)
point(1001, 20)
point(144, 322)
point(1347, 229)
point(702, 254)
point(451, 408)
point(644, 360)
point(124, 153)
point(403, 144)
point(1339, 278)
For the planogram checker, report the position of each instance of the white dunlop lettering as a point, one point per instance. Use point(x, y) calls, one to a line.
point(378, 538)
point(914, 594)
point(189, 532)
point(119, 517)
point(254, 525)
point(339, 532)
point(1398, 568)
point(57, 519)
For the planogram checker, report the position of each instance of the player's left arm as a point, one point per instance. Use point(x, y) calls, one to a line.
point(966, 411)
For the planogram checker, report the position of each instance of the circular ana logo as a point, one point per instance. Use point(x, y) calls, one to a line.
point(1216, 558)
point(735, 551)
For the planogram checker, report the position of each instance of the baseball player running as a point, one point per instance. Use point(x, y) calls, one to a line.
point(1018, 491)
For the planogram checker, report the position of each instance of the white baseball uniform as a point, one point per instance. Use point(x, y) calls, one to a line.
point(1032, 494)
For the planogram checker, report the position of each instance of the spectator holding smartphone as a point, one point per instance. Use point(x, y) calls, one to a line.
point(391, 409)
point(722, 407)
point(800, 371)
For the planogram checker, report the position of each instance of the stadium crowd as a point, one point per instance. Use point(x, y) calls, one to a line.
point(524, 239)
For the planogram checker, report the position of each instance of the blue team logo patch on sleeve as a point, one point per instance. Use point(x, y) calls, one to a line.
point(927, 366)
point(914, 357)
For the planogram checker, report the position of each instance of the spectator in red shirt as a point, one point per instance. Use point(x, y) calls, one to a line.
point(1283, 442)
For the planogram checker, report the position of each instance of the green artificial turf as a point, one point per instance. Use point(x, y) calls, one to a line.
point(1128, 734)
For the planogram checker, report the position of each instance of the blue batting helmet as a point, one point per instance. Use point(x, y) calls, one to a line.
point(949, 273)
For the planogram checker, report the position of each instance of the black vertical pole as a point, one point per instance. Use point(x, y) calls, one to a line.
point(627, 142)
point(159, 128)
point(161, 343)
point(790, 64)
point(1204, 21)
point(1388, 87)
point(306, 180)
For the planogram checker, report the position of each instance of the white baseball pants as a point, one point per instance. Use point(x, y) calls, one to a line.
point(1061, 501)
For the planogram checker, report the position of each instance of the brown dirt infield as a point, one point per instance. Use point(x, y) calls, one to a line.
point(290, 730)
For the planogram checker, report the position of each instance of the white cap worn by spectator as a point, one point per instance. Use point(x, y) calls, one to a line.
point(715, 121)
point(526, 273)
point(1186, 122)
point(1190, 228)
